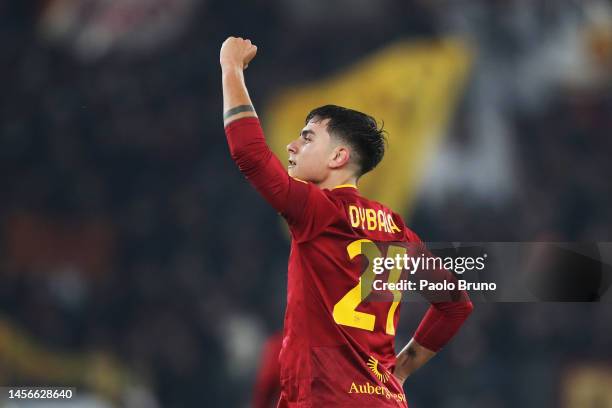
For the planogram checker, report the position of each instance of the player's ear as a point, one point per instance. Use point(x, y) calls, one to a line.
point(339, 157)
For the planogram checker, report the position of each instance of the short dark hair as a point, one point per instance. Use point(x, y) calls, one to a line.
point(358, 130)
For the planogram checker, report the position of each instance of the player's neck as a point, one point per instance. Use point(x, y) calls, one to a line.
point(335, 180)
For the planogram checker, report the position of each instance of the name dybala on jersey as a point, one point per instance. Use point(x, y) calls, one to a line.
point(337, 351)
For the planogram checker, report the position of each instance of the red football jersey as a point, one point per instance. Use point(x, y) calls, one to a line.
point(337, 351)
point(267, 384)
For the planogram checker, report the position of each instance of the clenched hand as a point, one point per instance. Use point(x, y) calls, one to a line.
point(236, 52)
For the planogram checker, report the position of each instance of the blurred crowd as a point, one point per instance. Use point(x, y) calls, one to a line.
point(120, 165)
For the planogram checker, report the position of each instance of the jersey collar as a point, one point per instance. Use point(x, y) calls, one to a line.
point(345, 186)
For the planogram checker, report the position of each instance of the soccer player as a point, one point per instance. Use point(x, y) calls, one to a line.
point(267, 384)
point(337, 351)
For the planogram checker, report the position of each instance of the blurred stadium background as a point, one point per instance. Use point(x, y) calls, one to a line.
point(136, 263)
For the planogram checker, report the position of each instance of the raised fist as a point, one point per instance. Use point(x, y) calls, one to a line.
point(236, 52)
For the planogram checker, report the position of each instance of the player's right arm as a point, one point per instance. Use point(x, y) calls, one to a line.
point(304, 206)
point(446, 314)
point(412, 357)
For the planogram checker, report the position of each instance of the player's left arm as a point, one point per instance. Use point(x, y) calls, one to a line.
point(305, 207)
point(245, 138)
point(234, 57)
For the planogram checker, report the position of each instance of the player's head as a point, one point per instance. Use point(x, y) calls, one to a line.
point(336, 139)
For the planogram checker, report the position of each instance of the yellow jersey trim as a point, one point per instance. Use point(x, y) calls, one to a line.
point(345, 185)
point(300, 180)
